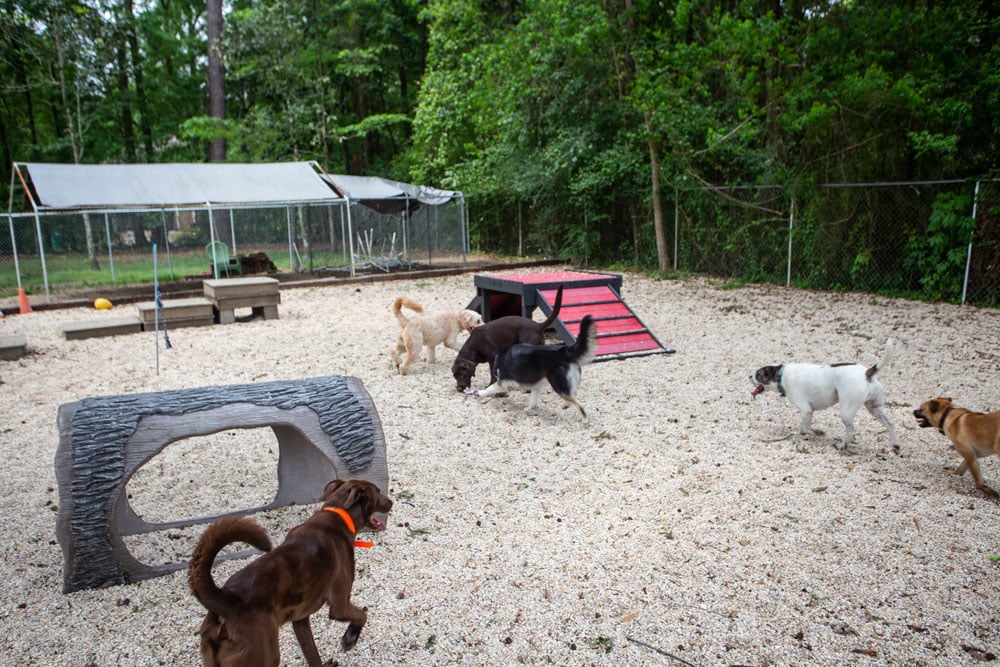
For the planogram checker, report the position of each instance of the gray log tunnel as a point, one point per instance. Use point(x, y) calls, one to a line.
point(326, 428)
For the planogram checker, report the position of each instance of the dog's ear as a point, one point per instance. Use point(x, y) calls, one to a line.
point(361, 493)
point(330, 488)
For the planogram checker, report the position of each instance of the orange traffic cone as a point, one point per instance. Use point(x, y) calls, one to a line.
point(22, 300)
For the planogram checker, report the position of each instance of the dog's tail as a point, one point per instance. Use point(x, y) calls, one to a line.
point(397, 309)
point(892, 348)
point(585, 347)
point(555, 310)
point(223, 532)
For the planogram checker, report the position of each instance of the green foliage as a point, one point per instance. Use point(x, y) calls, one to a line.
point(548, 114)
point(602, 643)
point(206, 128)
point(940, 255)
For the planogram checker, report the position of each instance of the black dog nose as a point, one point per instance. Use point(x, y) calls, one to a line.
point(917, 413)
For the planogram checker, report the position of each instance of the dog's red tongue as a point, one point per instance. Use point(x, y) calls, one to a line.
point(376, 523)
point(759, 389)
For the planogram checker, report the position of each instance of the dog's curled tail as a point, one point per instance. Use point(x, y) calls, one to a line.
point(223, 532)
point(400, 303)
point(585, 347)
point(892, 348)
point(555, 310)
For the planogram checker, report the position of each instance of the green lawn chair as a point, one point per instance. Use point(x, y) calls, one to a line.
point(218, 252)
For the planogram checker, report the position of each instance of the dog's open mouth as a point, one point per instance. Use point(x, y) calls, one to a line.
point(923, 422)
point(376, 522)
point(759, 389)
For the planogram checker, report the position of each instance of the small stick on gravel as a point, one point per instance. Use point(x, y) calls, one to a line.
point(660, 651)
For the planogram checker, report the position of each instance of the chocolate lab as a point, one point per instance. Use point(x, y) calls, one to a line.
point(313, 566)
point(974, 434)
point(488, 340)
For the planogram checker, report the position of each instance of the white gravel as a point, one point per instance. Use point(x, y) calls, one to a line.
point(686, 522)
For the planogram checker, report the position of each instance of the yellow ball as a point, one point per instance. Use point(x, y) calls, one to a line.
point(102, 304)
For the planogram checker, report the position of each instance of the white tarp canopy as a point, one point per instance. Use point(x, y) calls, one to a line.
point(75, 186)
point(373, 188)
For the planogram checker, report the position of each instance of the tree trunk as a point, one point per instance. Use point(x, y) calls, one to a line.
point(127, 123)
point(662, 254)
point(216, 78)
point(88, 230)
point(145, 122)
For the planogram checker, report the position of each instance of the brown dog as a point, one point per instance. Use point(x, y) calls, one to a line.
point(974, 434)
point(314, 565)
point(488, 340)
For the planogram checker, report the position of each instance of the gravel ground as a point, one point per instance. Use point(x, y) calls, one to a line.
point(685, 524)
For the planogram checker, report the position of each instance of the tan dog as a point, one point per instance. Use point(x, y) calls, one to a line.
point(427, 331)
point(974, 434)
point(313, 566)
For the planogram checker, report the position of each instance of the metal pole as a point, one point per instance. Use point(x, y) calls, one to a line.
point(791, 219)
point(677, 218)
point(406, 230)
point(166, 241)
point(156, 310)
point(968, 256)
point(464, 229)
point(350, 232)
point(41, 254)
point(10, 223)
point(232, 230)
point(13, 243)
point(291, 239)
point(343, 234)
point(111, 256)
point(211, 236)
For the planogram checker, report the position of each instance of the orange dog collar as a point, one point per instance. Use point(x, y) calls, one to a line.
point(342, 513)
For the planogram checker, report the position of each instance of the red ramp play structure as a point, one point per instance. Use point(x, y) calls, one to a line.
point(620, 332)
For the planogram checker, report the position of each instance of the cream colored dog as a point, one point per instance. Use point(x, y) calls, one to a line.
point(427, 331)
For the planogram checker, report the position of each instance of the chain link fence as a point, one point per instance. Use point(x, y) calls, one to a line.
point(930, 240)
point(52, 252)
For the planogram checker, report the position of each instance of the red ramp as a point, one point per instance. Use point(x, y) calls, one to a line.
point(620, 332)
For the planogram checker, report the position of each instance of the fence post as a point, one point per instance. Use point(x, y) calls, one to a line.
point(13, 245)
point(111, 254)
point(677, 217)
point(350, 231)
point(211, 236)
point(968, 256)
point(791, 220)
point(232, 229)
point(464, 228)
point(166, 242)
point(41, 254)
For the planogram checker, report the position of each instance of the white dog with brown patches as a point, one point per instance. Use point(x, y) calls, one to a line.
point(427, 331)
point(812, 387)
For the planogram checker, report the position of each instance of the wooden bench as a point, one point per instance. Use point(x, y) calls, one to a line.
point(13, 347)
point(192, 312)
point(103, 326)
point(260, 294)
point(326, 427)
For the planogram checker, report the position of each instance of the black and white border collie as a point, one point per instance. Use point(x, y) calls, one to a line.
point(529, 366)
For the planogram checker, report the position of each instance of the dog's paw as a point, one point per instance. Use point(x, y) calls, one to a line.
point(350, 637)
